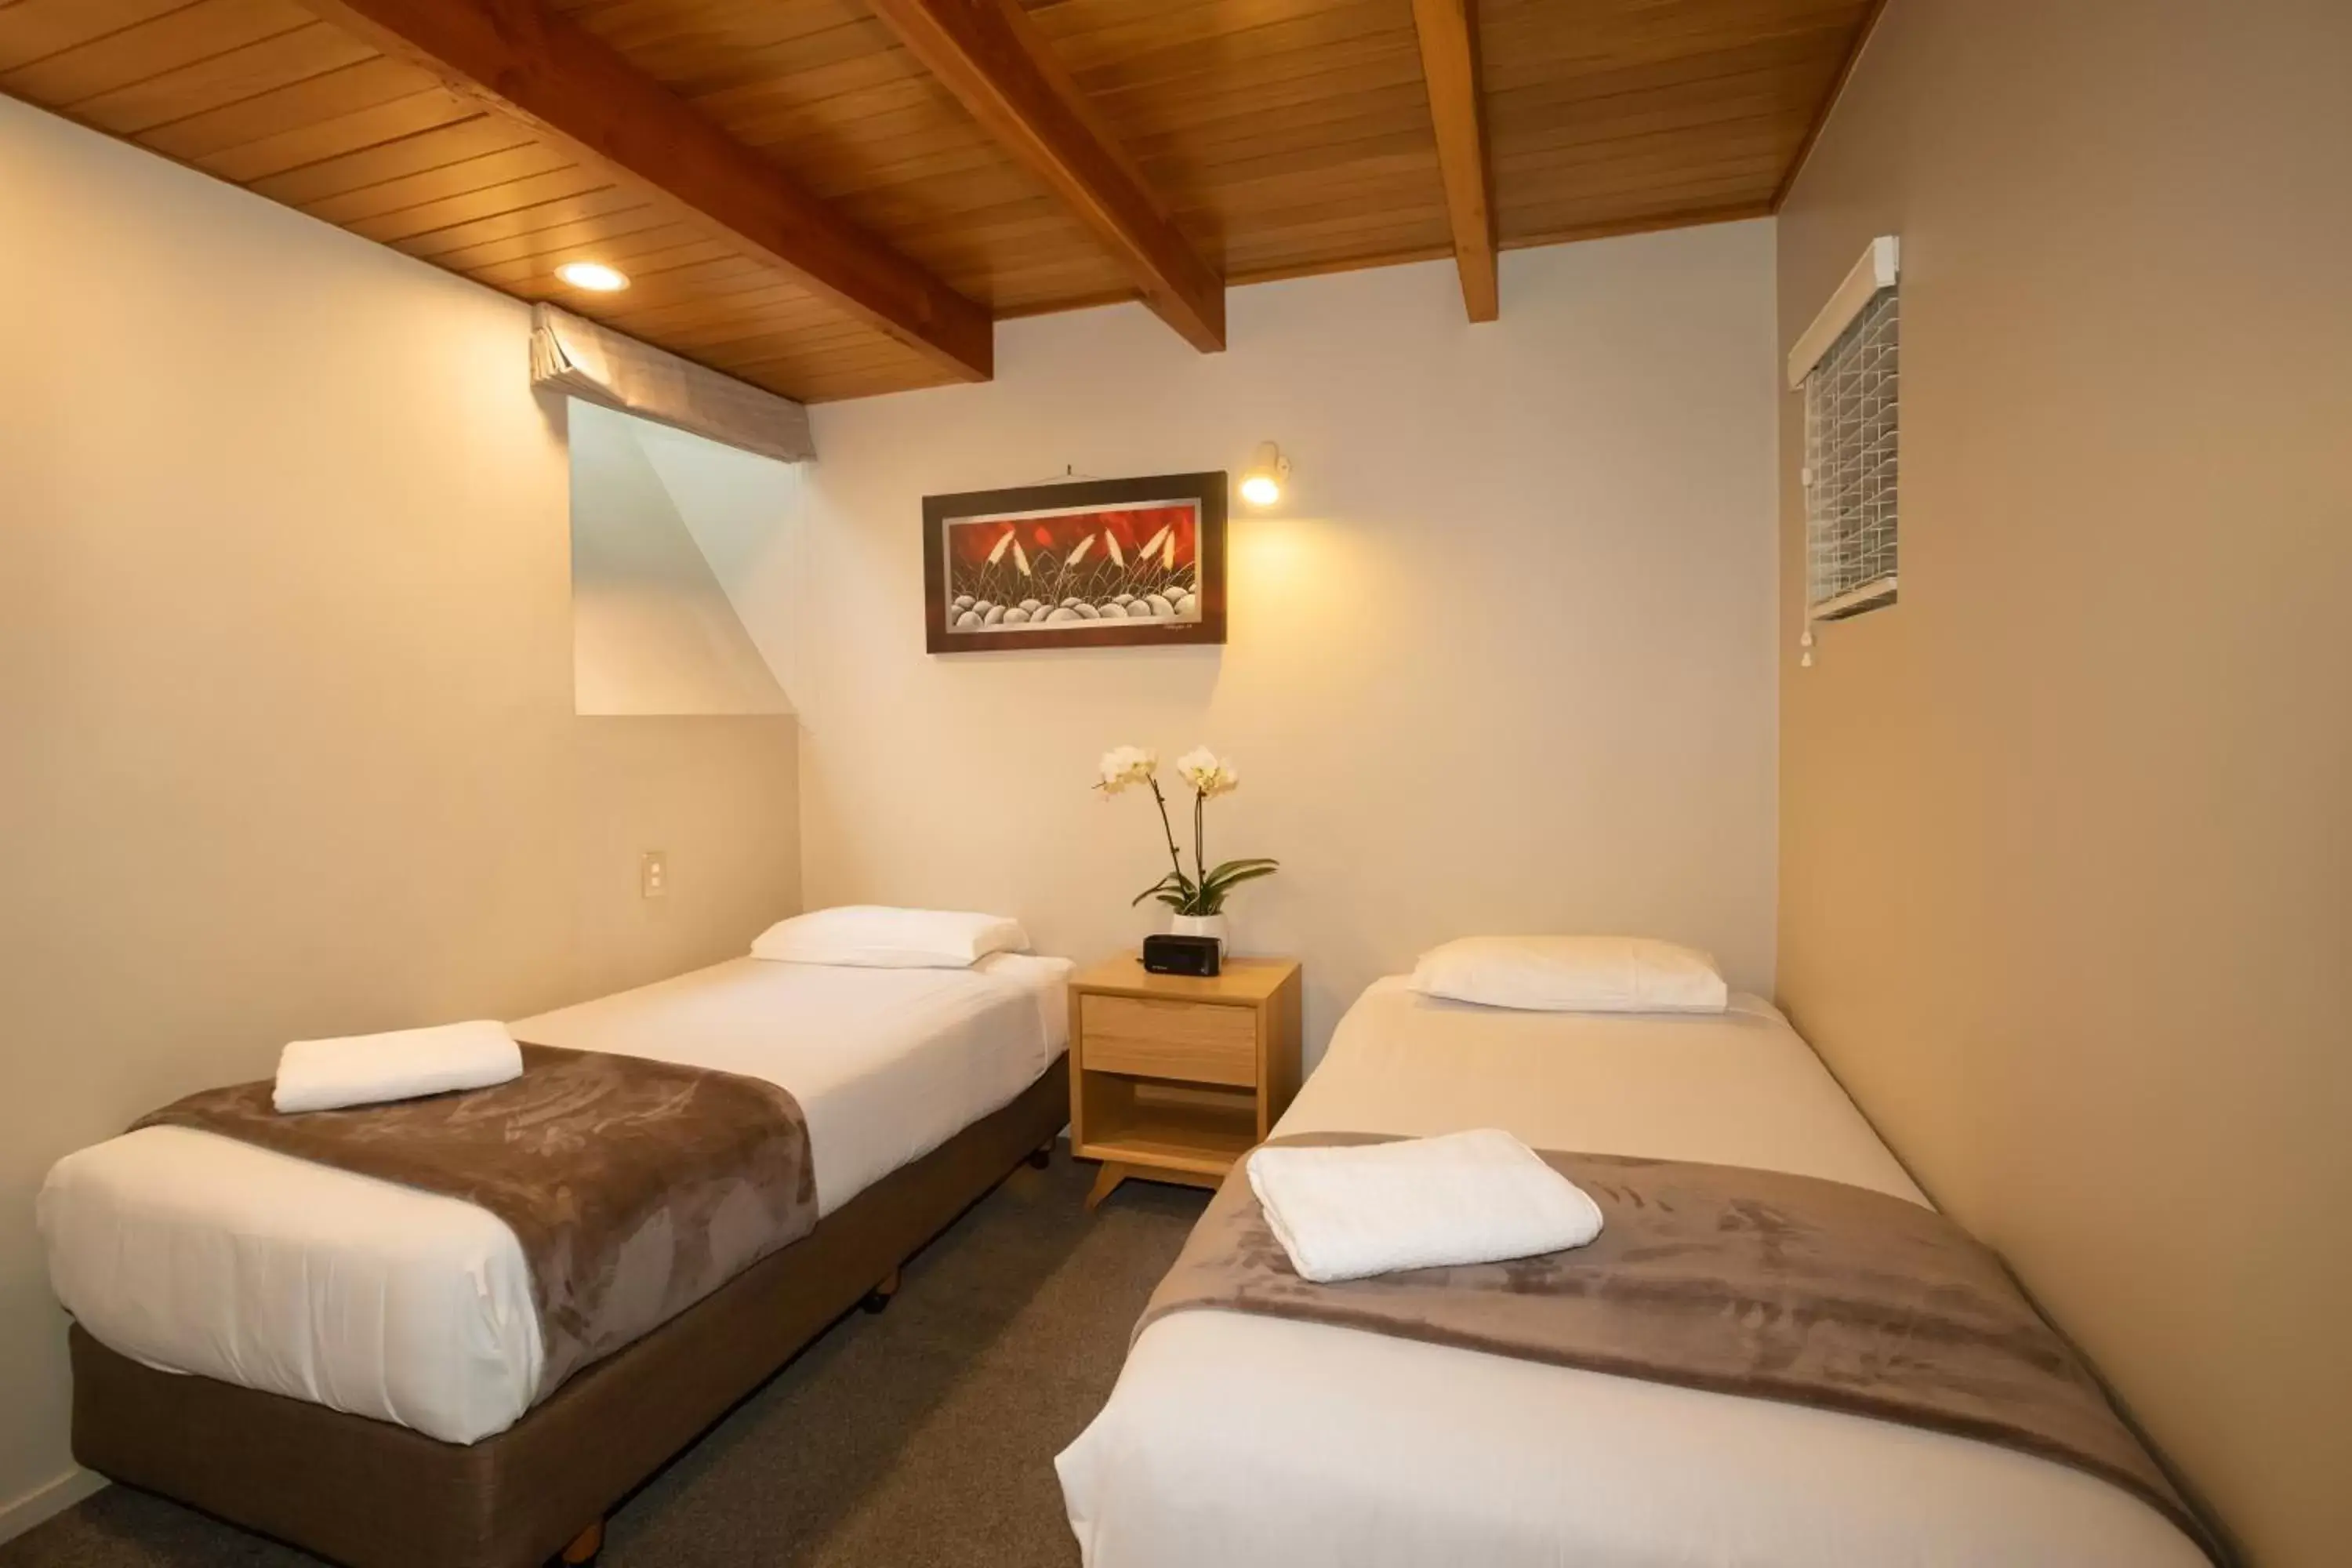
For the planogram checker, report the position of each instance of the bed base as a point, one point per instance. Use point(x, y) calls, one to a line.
point(369, 1494)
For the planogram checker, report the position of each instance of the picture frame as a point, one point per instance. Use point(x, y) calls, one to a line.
point(1136, 563)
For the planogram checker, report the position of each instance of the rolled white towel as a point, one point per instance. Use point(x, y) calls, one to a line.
point(364, 1069)
point(1352, 1211)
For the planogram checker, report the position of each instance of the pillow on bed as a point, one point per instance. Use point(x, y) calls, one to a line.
point(871, 936)
point(1573, 975)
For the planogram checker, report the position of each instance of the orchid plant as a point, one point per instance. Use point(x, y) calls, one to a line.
point(1202, 891)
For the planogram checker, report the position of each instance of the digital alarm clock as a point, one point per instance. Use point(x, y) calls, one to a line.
point(1194, 955)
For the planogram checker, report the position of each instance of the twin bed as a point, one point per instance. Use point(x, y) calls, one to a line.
point(1249, 1441)
point(356, 1366)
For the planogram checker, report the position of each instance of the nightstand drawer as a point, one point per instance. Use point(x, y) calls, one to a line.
point(1194, 1041)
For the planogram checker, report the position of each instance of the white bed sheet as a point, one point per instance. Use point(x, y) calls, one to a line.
point(200, 1254)
point(1244, 1441)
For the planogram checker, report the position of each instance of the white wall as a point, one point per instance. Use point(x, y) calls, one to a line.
point(1503, 661)
point(286, 686)
point(653, 629)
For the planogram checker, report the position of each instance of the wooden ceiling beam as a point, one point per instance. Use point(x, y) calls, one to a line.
point(524, 58)
point(1002, 69)
point(1449, 60)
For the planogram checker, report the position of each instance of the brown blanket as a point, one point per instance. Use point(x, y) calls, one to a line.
point(636, 1188)
point(1736, 1281)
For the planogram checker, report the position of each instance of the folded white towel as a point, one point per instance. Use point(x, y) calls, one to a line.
point(362, 1069)
point(1347, 1212)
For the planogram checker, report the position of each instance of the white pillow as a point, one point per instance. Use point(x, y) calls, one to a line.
point(1573, 975)
point(872, 936)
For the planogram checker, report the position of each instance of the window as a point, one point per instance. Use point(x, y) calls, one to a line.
point(1847, 362)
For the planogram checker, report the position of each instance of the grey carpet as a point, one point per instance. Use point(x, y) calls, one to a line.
point(923, 1437)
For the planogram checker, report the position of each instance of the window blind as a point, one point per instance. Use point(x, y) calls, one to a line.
point(1853, 409)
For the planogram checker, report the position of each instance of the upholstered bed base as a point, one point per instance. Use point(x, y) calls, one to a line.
point(372, 1495)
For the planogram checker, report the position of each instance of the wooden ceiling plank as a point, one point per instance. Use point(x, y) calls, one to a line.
point(1346, 75)
point(1800, 64)
point(304, 145)
point(1209, 62)
point(1002, 69)
point(778, 327)
point(711, 60)
point(1532, 41)
point(1403, 149)
point(1240, 130)
point(1662, 120)
point(1372, 185)
point(1649, 210)
point(692, 326)
point(131, 55)
point(489, 202)
point(1321, 266)
point(715, 45)
point(38, 29)
point(1312, 235)
point(1677, 214)
point(531, 61)
point(1820, 119)
point(727, 282)
point(293, 110)
point(1596, 198)
point(532, 217)
point(457, 161)
point(1449, 60)
point(225, 79)
point(614, 236)
point(1647, 151)
point(847, 88)
point(790, 341)
point(774, 334)
point(401, 158)
point(1090, 35)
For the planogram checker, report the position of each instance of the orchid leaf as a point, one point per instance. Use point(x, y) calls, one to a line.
point(1170, 889)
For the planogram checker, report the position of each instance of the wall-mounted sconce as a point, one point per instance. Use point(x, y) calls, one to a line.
point(1263, 481)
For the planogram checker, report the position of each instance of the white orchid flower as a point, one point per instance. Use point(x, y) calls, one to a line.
point(1207, 773)
point(1125, 766)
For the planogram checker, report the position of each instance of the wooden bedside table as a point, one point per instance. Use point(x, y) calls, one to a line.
point(1172, 1078)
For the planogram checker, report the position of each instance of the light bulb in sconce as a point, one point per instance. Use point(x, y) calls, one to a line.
point(1263, 481)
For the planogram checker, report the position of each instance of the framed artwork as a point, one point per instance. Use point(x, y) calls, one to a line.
point(1084, 563)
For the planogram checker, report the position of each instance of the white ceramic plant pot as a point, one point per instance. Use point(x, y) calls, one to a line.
point(1201, 925)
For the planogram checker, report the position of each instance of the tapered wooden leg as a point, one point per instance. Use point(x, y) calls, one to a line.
point(884, 1291)
point(584, 1546)
point(1107, 1181)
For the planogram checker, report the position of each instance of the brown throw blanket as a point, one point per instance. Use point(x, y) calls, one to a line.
point(1736, 1281)
point(636, 1188)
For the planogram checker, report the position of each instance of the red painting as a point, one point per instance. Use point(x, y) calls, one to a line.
point(1008, 572)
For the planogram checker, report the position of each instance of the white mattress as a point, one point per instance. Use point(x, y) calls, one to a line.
point(1243, 1441)
point(199, 1254)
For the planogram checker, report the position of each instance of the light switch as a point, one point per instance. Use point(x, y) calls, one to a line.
point(653, 874)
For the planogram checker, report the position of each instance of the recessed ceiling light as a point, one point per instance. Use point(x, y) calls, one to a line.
point(594, 276)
